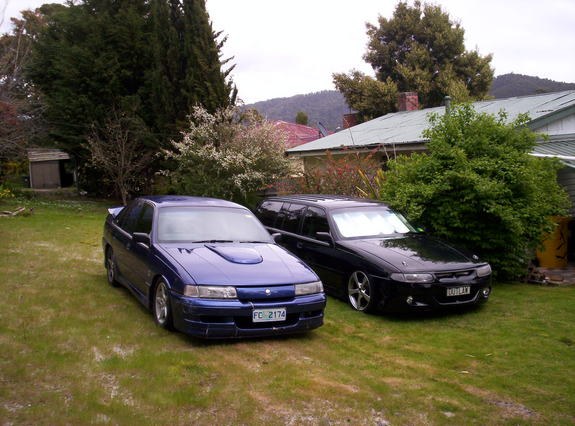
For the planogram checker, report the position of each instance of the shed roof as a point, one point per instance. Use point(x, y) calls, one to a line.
point(406, 127)
point(46, 154)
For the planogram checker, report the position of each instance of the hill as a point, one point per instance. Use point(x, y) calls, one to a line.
point(510, 85)
point(326, 107)
point(329, 106)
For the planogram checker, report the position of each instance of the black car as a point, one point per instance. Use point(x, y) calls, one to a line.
point(366, 253)
point(209, 268)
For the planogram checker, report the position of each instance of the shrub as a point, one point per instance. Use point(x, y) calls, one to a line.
point(479, 188)
point(340, 174)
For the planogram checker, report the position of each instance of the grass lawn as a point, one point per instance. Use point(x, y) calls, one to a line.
point(77, 351)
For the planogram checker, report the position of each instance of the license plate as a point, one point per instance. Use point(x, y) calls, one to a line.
point(459, 291)
point(269, 315)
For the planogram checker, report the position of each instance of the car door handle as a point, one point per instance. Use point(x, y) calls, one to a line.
point(299, 245)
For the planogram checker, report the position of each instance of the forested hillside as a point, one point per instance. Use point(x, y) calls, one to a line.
point(509, 85)
point(328, 106)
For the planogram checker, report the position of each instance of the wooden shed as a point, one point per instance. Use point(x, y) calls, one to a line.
point(49, 168)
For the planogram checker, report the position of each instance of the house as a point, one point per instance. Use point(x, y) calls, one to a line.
point(551, 114)
point(297, 134)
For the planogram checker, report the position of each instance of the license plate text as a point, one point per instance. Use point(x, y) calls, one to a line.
point(269, 315)
point(459, 291)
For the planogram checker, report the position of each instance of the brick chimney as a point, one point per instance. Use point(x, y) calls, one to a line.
point(407, 101)
point(349, 120)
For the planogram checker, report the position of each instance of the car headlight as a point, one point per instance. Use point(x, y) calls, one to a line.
point(308, 288)
point(412, 278)
point(210, 292)
point(483, 271)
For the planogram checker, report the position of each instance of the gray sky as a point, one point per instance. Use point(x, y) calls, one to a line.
point(283, 48)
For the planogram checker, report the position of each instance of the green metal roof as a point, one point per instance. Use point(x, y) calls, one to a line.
point(558, 146)
point(406, 127)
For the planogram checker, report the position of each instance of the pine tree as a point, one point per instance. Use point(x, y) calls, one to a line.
point(151, 59)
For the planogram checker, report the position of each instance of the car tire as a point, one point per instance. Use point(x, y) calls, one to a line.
point(361, 293)
point(111, 268)
point(161, 306)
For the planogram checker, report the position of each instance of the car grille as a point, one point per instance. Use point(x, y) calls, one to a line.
point(456, 275)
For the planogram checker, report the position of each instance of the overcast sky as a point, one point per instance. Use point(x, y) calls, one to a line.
point(283, 48)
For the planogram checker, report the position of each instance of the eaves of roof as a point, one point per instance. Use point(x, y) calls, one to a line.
point(561, 147)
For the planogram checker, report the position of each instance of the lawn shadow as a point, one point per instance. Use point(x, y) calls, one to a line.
point(431, 314)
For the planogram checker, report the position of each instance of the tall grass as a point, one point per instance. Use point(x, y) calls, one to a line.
point(77, 351)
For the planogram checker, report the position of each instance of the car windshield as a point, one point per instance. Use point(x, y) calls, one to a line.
point(370, 222)
point(209, 224)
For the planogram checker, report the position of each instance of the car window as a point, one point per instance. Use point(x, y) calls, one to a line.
point(268, 212)
point(314, 220)
point(204, 224)
point(128, 217)
point(291, 214)
point(370, 222)
point(144, 221)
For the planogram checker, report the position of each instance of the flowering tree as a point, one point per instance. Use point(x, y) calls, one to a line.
point(227, 154)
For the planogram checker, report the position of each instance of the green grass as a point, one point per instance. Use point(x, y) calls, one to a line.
point(77, 351)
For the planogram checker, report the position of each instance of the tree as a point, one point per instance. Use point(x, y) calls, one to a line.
point(369, 97)
point(301, 118)
point(479, 187)
point(20, 103)
point(117, 150)
point(150, 59)
point(227, 155)
point(418, 50)
point(187, 63)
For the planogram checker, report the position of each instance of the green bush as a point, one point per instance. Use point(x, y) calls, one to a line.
point(478, 187)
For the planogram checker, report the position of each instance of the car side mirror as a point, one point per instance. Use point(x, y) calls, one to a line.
point(142, 238)
point(325, 237)
point(277, 237)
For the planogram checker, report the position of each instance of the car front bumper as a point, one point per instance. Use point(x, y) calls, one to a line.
point(435, 295)
point(222, 319)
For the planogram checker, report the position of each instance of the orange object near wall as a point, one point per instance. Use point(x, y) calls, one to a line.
point(554, 254)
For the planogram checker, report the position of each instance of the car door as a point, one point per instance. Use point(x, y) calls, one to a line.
point(289, 219)
point(132, 257)
point(122, 238)
point(139, 254)
point(322, 256)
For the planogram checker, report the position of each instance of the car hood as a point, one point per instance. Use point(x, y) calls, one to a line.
point(246, 264)
point(412, 253)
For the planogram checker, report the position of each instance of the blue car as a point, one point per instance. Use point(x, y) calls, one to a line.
point(208, 268)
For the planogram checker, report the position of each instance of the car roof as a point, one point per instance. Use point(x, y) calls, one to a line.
point(186, 200)
point(328, 201)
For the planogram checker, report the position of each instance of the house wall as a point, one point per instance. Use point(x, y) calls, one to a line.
point(564, 125)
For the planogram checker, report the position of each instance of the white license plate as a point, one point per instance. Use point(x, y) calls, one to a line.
point(269, 315)
point(459, 291)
